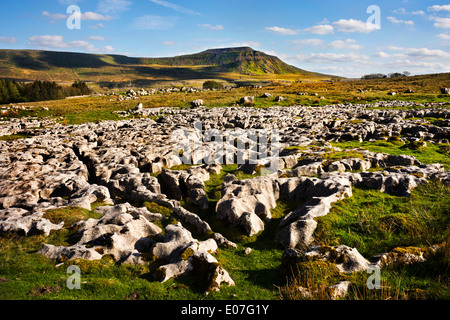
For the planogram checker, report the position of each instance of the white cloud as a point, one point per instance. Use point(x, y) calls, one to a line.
point(57, 42)
point(438, 8)
point(97, 26)
point(92, 16)
point(47, 41)
point(320, 29)
point(397, 21)
point(347, 44)
point(283, 31)
point(333, 57)
point(444, 36)
point(400, 11)
point(9, 40)
point(88, 16)
point(352, 25)
point(108, 49)
point(417, 66)
point(85, 45)
point(252, 44)
point(211, 27)
point(382, 54)
point(442, 23)
point(151, 22)
point(96, 38)
point(168, 43)
point(68, 2)
point(403, 11)
point(175, 7)
point(416, 53)
point(308, 42)
point(56, 16)
point(395, 48)
point(347, 71)
point(113, 6)
point(425, 53)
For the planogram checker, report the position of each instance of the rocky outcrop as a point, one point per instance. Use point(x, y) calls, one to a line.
point(188, 182)
point(185, 255)
point(297, 227)
point(248, 203)
point(123, 231)
point(346, 259)
point(20, 221)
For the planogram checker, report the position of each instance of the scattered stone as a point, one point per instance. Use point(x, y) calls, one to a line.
point(247, 100)
point(140, 106)
point(197, 103)
point(20, 221)
point(187, 256)
point(405, 255)
point(338, 290)
point(223, 242)
point(346, 259)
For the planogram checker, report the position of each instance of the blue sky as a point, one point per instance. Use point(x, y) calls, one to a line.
point(330, 36)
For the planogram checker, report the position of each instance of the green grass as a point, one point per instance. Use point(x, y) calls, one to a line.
point(12, 137)
point(375, 222)
point(71, 215)
point(335, 156)
point(431, 153)
point(427, 280)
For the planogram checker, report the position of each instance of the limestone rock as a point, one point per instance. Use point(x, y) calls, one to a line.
point(347, 259)
point(247, 100)
point(297, 233)
point(405, 255)
point(338, 290)
point(187, 256)
point(223, 242)
point(62, 253)
point(21, 221)
point(117, 232)
point(197, 103)
point(193, 219)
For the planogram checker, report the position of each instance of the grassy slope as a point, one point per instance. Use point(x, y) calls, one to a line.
point(99, 108)
point(210, 64)
point(374, 222)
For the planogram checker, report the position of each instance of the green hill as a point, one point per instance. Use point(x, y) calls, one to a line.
point(240, 60)
point(226, 64)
